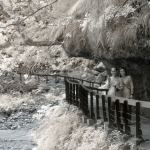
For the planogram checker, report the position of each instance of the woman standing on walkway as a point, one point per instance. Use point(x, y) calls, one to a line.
point(127, 91)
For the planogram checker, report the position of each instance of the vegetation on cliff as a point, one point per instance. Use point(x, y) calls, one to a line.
point(94, 28)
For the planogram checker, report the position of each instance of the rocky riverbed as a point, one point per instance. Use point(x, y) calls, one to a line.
point(17, 125)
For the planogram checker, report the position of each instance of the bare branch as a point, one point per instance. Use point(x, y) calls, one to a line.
point(28, 41)
point(124, 3)
point(141, 6)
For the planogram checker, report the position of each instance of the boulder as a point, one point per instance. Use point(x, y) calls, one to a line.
point(101, 77)
point(100, 67)
point(95, 72)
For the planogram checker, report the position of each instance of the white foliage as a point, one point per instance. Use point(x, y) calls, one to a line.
point(119, 11)
point(62, 129)
point(8, 64)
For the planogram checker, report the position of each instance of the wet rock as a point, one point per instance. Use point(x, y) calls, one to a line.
point(100, 67)
point(100, 78)
point(95, 72)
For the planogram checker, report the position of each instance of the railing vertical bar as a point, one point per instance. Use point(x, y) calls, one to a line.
point(80, 103)
point(127, 128)
point(117, 103)
point(91, 107)
point(69, 92)
point(97, 112)
point(85, 99)
point(104, 109)
point(138, 125)
point(110, 112)
point(77, 94)
point(67, 89)
point(73, 96)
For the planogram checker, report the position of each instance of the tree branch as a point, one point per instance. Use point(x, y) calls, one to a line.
point(30, 42)
point(142, 6)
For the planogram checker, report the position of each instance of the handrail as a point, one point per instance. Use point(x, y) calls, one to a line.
point(38, 74)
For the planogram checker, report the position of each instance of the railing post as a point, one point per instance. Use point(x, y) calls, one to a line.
point(66, 89)
point(138, 125)
point(104, 109)
point(92, 115)
point(97, 112)
point(120, 127)
point(85, 101)
point(73, 94)
point(127, 128)
point(77, 94)
point(80, 96)
point(69, 93)
point(110, 113)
